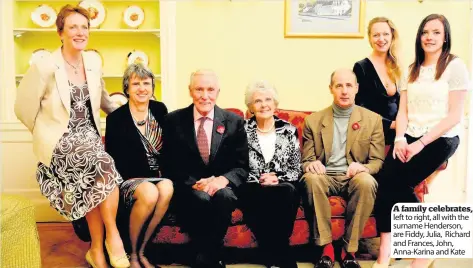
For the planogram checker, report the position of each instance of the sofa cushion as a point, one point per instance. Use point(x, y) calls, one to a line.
point(240, 236)
point(171, 234)
point(338, 206)
point(236, 111)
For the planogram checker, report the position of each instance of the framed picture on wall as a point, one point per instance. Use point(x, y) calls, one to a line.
point(324, 18)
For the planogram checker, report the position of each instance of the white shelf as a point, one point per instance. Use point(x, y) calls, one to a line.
point(18, 32)
point(18, 77)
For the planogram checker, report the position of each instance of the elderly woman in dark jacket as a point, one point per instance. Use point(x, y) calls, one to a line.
point(269, 198)
point(134, 139)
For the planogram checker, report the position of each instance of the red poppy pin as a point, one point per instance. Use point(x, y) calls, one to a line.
point(355, 126)
point(220, 129)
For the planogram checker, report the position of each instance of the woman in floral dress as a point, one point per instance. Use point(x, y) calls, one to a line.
point(59, 101)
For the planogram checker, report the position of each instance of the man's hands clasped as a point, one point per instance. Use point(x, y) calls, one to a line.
point(211, 185)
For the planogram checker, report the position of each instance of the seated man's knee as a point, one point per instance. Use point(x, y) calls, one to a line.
point(224, 201)
point(200, 197)
point(315, 182)
point(364, 182)
point(225, 195)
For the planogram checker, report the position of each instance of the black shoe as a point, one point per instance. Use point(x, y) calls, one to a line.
point(350, 262)
point(324, 262)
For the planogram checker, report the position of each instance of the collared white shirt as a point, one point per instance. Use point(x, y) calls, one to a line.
point(208, 124)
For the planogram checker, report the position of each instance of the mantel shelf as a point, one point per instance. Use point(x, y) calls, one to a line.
point(18, 32)
point(18, 77)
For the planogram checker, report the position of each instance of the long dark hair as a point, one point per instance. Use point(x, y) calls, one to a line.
point(444, 58)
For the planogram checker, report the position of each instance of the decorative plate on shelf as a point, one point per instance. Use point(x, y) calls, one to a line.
point(137, 56)
point(95, 54)
point(134, 16)
point(119, 98)
point(39, 54)
point(96, 12)
point(44, 16)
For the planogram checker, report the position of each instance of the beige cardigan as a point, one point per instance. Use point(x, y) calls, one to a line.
point(43, 100)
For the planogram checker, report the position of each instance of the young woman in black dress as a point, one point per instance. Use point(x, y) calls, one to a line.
point(379, 73)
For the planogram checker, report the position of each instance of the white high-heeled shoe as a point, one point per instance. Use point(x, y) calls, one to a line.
point(89, 260)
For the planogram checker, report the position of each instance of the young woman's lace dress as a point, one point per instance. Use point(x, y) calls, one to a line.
point(82, 174)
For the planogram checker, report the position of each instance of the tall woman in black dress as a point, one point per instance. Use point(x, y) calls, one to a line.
point(379, 73)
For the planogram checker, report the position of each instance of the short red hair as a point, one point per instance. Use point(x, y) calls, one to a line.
point(69, 10)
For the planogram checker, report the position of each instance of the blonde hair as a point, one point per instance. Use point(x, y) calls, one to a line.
point(392, 61)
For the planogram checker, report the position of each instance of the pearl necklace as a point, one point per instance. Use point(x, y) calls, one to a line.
point(265, 131)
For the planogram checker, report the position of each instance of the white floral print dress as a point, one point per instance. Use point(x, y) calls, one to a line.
point(81, 174)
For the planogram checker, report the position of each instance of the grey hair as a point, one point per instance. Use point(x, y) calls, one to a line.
point(138, 70)
point(203, 72)
point(261, 86)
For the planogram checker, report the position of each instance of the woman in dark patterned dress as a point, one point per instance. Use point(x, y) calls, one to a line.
point(133, 138)
point(59, 101)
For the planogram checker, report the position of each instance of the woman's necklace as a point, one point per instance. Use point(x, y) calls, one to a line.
point(142, 122)
point(76, 68)
point(265, 131)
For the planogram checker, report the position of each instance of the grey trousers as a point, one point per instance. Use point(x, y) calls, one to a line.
point(359, 191)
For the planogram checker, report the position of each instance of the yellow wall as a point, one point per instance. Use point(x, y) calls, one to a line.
point(244, 40)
